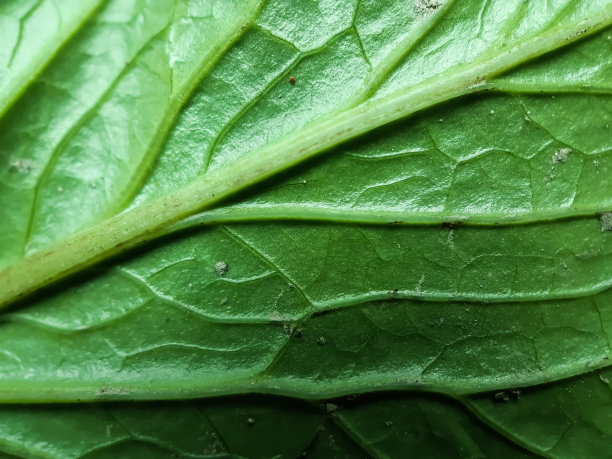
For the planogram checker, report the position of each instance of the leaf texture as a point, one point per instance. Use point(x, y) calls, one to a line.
point(311, 199)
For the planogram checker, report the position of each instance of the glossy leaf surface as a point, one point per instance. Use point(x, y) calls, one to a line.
point(452, 235)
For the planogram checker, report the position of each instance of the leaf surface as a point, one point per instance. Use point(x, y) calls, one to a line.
point(313, 200)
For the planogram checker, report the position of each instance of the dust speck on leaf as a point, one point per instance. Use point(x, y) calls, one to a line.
point(112, 391)
point(21, 166)
point(501, 397)
point(331, 407)
point(506, 396)
point(561, 155)
point(425, 7)
point(605, 220)
point(477, 83)
point(221, 267)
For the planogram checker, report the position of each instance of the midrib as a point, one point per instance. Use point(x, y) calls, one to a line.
point(148, 221)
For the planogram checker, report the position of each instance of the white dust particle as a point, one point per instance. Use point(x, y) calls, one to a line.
point(561, 155)
point(605, 220)
point(426, 7)
point(479, 82)
point(221, 268)
point(21, 166)
point(331, 407)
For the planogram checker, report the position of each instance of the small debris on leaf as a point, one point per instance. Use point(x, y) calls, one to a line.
point(501, 397)
point(331, 407)
point(506, 395)
point(425, 7)
point(605, 220)
point(561, 155)
point(221, 268)
point(21, 166)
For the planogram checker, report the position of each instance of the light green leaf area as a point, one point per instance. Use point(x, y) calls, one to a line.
point(31, 32)
point(311, 200)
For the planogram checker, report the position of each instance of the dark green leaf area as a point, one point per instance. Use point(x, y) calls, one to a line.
point(566, 419)
point(383, 425)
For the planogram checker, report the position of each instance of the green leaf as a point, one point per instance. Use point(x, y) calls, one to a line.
point(168, 233)
point(256, 427)
point(568, 419)
point(31, 32)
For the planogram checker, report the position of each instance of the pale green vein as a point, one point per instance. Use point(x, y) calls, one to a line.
point(233, 121)
point(378, 75)
point(355, 437)
point(473, 408)
point(258, 254)
point(548, 88)
point(64, 142)
point(392, 59)
point(22, 20)
point(148, 221)
point(180, 97)
point(377, 216)
point(15, 83)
